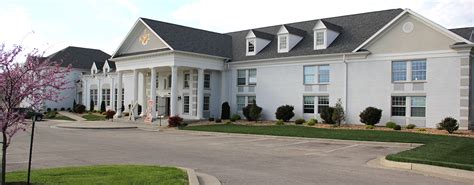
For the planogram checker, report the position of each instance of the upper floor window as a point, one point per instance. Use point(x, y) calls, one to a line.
point(283, 43)
point(207, 81)
point(186, 80)
point(251, 47)
point(316, 74)
point(404, 70)
point(247, 77)
point(319, 38)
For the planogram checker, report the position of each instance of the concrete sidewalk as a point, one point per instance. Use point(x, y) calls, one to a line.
point(71, 115)
point(96, 125)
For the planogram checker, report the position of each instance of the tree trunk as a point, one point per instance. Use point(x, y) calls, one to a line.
point(4, 158)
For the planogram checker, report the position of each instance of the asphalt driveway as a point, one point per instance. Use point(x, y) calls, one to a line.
point(233, 159)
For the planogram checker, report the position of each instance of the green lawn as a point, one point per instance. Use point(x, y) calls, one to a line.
point(448, 151)
point(62, 117)
point(110, 174)
point(94, 117)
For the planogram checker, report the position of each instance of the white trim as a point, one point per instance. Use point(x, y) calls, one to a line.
point(420, 18)
point(362, 54)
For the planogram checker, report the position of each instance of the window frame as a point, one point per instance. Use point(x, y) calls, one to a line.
point(394, 105)
point(322, 106)
point(316, 76)
point(246, 78)
point(286, 43)
point(206, 102)
point(417, 106)
point(246, 101)
point(186, 78)
point(323, 44)
point(207, 81)
point(409, 72)
point(106, 96)
point(309, 106)
point(250, 78)
point(186, 106)
point(251, 42)
point(413, 70)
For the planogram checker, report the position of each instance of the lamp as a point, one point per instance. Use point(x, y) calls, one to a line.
point(179, 98)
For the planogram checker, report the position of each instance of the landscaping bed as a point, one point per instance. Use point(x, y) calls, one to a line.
point(56, 116)
point(107, 174)
point(441, 150)
point(94, 117)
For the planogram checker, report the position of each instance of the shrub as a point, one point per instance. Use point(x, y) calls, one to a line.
point(284, 113)
point(421, 129)
point(228, 122)
point(397, 127)
point(174, 121)
point(299, 121)
point(326, 115)
point(91, 106)
point(449, 124)
point(280, 122)
point(218, 120)
point(225, 113)
point(62, 109)
point(234, 117)
point(80, 109)
point(252, 112)
point(370, 116)
point(211, 119)
point(390, 124)
point(69, 109)
point(55, 109)
point(102, 106)
point(48, 109)
point(311, 122)
point(410, 126)
point(338, 114)
point(369, 127)
point(109, 114)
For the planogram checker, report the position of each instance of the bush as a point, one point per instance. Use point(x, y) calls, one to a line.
point(228, 122)
point(449, 124)
point(80, 109)
point(69, 109)
point(326, 115)
point(421, 129)
point(252, 112)
point(280, 122)
point(369, 127)
point(218, 120)
point(410, 126)
point(370, 116)
point(338, 114)
point(225, 113)
point(55, 109)
point(397, 127)
point(210, 119)
point(390, 124)
point(109, 114)
point(311, 122)
point(299, 121)
point(284, 113)
point(48, 109)
point(234, 117)
point(174, 121)
point(62, 109)
point(102, 107)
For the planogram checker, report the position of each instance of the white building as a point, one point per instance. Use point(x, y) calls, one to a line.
point(413, 69)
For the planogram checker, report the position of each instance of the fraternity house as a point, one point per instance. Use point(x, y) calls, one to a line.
point(413, 69)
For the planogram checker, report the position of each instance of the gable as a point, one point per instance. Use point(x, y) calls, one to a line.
point(409, 34)
point(140, 39)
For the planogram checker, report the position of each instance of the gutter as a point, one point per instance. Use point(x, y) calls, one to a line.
point(302, 57)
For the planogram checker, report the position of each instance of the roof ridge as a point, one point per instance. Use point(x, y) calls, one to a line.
point(189, 27)
point(356, 14)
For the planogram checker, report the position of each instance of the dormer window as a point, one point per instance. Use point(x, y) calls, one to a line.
point(283, 43)
point(251, 46)
point(256, 41)
point(289, 37)
point(324, 34)
point(319, 39)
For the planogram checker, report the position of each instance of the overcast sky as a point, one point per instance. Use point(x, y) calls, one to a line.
point(51, 25)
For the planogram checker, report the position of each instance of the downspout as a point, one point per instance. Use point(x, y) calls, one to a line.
point(346, 84)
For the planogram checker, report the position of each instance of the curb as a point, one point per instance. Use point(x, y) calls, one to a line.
point(206, 179)
point(375, 143)
point(424, 168)
point(192, 177)
point(94, 127)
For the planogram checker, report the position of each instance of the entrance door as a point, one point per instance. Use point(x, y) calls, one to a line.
point(168, 102)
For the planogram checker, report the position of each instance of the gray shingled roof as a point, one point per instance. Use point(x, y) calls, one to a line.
point(262, 35)
point(464, 32)
point(81, 58)
point(184, 38)
point(355, 30)
point(295, 31)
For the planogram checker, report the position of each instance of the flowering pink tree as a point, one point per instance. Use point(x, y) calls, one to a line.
point(31, 81)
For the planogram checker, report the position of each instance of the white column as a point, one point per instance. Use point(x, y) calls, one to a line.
point(174, 91)
point(144, 98)
point(153, 91)
point(135, 89)
point(119, 94)
point(200, 93)
point(99, 95)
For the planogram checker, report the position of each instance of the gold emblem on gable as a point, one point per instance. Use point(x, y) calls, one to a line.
point(145, 37)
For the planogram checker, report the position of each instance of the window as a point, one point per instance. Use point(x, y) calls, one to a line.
point(106, 96)
point(115, 100)
point(169, 81)
point(186, 81)
point(308, 104)
point(418, 70)
point(207, 81)
point(323, 103)
point(240, 102)
point(164, 83)
point(252, 76)
point(399, 71)
point(157, 82)
point(93, 96)
point(283, 43)
point(241, 77)
point(186, 104)
point(205, 106)
point(418, 106)
point(398, 105)
point(309, 72)
point(323, 74)
point(319, 38)
point(251, 46)
point(243, 101)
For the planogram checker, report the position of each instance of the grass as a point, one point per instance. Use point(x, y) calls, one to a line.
point(107, 174)
point(440, 150)
point(94, 117)
point(62, 117)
